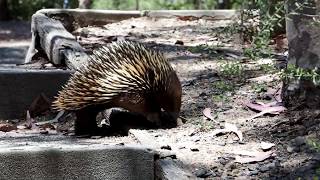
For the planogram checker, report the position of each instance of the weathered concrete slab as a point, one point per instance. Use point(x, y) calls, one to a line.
point(13, 52)
point(169, 169)
point(60, 157)
point(205, 14)
point(85, 17)
point(12, 55)
point(19, 87)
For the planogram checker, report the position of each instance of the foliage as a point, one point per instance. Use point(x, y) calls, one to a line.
point(221, 98)
point(314, 144)
point(268, 68)
point(267, 25)
point(259, 21)
point(223, 86)
point(232, 69)
point(259, 87)
point(292, 73)
point(23, 10)
point(120, 4)
point(204, 125)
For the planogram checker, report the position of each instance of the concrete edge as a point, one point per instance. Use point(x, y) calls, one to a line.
point(95, 161)
point(113, 14)
point(213, 14)
point(20, 87)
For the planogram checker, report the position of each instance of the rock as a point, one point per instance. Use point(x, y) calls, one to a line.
point(252, 173)
point(277, 163)
point(290, 149)
point(194, 149)
point(167, 147)
point(179, 42)
point(266, 146)
point(299, 141)
point(223, 161)
point(252, 167)
point(316, 157)
point(203, 173)
point(43, 131)
point(169, 169)
point(264, 168)
point(272, 165)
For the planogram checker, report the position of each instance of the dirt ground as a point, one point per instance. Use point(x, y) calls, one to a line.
point(235, 142)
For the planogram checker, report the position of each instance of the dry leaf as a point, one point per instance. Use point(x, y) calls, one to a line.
point(39, 105)
point(255, 156)
point(233, 128)
point(6, 127)
point(269, 110)
point(266, 146)
point(29, 124)
point(54, 120)
point(260, 106)
point(228, 128)
point(207, 113)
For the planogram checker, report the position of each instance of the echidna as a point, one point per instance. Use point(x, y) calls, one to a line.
point(124, 74)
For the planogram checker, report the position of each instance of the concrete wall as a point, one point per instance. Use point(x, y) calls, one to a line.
point(60, 157)
point(19, 87)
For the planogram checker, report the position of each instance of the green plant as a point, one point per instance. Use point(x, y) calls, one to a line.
point(260, 20)
point(314, 144)
point(220, 98)
point(258, 88)
point(222, 90)
point(268, 68)
point(204, 125)
point(232, 69)
point(23, 10)
point(223, 86)
point(292, 73)
point(271, 19)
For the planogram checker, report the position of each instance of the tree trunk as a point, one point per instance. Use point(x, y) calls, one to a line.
point(4, 11)
point(137, 5)
point(85, 4)
point(197, 4)
point(303, 35)
point(224, 4)
point(59, 45)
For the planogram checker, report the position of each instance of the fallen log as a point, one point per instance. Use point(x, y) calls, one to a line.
point(60, 46)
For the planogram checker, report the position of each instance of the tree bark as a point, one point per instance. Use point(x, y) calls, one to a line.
point(4, 11)
point(197, 4)
point(137, 4)
point(224, 4)
point(59, 45)
point(304, 52)
point(85, 4)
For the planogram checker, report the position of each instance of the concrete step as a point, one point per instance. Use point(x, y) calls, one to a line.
point(19, 87)
point(13, 52)
point(34, 156)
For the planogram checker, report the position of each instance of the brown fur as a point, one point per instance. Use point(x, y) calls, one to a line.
point(126, 75)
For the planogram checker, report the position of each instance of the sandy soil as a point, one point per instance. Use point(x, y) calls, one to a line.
point(205, 57)
point(215, 75)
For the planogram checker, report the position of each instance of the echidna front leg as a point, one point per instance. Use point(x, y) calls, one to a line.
point(86, 124)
